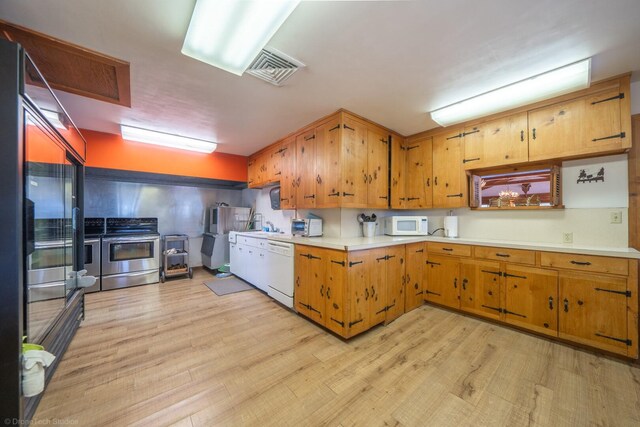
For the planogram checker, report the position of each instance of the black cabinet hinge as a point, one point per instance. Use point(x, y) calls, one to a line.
point(455, 136)
point(498, 309)
point(455, 195)
point(625, 341)
point(334, 194)
point(469, 133)
point(620, 135)
point(625, 293)
point(355, 322)
point(347, 194)
point(334, 128)
point(352, 263)
point(308, 138)
point(347, 127)
point(431, 292)
point(382, 310)
point(432, 263)
point(505, 311)
point(412, 147)
point(618, 96)
point(342, 263)
point(313, 196)
point(513, 275)
point(470, 160)
point(338, 322)
point(497, 273)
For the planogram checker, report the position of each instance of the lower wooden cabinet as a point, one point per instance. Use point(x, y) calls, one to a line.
point(530, 298)
point(593, 311)
point(350, 292)
point(442, 280)
point(415, 255)
point(480, 291)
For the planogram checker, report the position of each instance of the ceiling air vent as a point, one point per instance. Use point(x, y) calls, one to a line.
point(273, 66)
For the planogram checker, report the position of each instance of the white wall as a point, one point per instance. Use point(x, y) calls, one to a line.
point(587, 212)
point(260, 201)
point(635, 94)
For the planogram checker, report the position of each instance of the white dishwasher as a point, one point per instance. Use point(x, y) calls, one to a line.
point(280, 272)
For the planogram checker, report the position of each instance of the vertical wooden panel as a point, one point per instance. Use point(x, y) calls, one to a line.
point(634, 185)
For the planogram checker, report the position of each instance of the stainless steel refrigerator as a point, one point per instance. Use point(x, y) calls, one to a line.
point(215, 244)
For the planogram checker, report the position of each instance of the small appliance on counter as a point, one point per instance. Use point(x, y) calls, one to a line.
point(306, 227)
point(406, 225)
point(451, 225)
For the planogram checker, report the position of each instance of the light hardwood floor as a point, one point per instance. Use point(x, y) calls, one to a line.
point(176, 353)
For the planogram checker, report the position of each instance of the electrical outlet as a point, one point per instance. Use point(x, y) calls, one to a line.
point(616, 217)
point(567, 237)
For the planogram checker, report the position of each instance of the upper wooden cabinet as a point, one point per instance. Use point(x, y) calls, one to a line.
point(411, 174)
point(328, 162)
point(398, 173)
point(287, 153)
point(353, 166)
point(449, 177)
point(591, 124)
point(498, 142)
point(306, 170)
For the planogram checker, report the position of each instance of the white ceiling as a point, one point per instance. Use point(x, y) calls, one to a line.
point(389, 61)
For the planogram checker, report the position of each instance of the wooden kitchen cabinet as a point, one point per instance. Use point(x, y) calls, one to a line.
point(480, 288)
point(335, 279)
point(594, 311)
point(288, 174)
point(442, 280)
point(328, 162)
point(419, 167)
point(449, 177)
point(499, 142)
point(360, 267)
point(306, 170)
point(531, 298)
point(395, 282)
point(377, 168)
point(252, 171)
point(398, 173)
point(592, 124)
point(309, 277)
point(354, 164)
point(415, 256)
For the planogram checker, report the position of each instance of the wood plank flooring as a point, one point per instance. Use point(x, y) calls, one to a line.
point(177, 354)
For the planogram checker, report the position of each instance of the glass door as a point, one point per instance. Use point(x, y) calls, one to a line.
point(50, 185)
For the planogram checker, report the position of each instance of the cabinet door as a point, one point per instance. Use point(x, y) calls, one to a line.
point(556, 131)
point(399, 179)
point(414, 270)
point(359, 267)
point(317, 284)
point(442, 280)
point(335, 267)
point(275, 163)
point(395, 277)
point(306, 170)
point(593, 310)
point(302, 270)
point(499, 142)
point(449, 177)
point(480, 288)
point(531, 299)
point(419, 167)
point(288, 174)
point(235, 260)
point(378, 286)
point(378, 169)
point(328, 164)
point(354, 164)
point(603, 128)
point(252, 171)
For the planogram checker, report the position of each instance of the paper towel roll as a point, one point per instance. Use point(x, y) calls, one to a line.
point(450, 226)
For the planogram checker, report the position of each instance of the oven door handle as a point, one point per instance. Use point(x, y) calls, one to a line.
point(131, 239)
point(134, 274)
point(56, 244)
point(91, 241)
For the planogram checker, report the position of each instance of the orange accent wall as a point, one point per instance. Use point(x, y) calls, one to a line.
point(105, 150)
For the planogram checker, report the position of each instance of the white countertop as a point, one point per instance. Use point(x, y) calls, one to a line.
point(362, 243)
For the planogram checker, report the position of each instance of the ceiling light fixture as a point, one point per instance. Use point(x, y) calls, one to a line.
point(556, 82)
point(229, 34)
point(166, 139)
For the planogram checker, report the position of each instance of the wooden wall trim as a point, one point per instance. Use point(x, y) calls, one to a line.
point(634, 184)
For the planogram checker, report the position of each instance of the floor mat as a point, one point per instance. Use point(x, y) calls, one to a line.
point(229, 285)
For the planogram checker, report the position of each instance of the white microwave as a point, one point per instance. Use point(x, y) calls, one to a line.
point(406, 226)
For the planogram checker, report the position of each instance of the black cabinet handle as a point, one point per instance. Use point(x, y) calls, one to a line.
point(313, 196)
point(503, 255)
point(464, 284)
point(447, 249)
point(566, 305)
point(580, 262)
point(329, 293)
point(534, 133)
point(521, 136)
point(550, 303)
point(322, 290)
point(435, 180)
point(455, 282)
point(428, 182)
point(366, 294)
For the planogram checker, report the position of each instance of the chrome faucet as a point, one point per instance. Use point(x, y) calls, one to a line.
point(271, 226)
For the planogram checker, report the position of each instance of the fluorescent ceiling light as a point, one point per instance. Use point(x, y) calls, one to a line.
point(54, 119)
point(166, 139)
point(562, 80)
point(229, 34)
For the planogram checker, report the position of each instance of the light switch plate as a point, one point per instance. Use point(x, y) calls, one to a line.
point(567, 237)
point(616, 217)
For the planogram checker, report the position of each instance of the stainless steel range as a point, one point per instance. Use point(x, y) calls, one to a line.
point(130, 252)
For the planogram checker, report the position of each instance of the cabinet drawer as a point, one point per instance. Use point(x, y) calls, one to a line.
point(447, 249)
point(518, 256)
point(597, 264)
point(252, 241)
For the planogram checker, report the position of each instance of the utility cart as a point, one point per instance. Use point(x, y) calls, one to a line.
point(175, 256)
